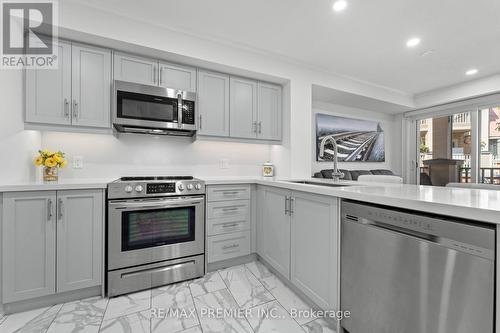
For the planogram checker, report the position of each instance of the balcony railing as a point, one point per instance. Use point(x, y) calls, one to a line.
point(486, 175)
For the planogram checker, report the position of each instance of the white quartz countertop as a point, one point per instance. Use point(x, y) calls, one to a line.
point(62, 184)
point(473, 204)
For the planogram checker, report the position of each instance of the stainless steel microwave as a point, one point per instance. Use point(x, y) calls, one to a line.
point(146, 109)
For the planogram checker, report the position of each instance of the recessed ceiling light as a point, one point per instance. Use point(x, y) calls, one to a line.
point(471, 71)
point(412, 42)
point(339, 5)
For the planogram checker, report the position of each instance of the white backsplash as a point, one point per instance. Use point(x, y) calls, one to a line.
point(107, 156)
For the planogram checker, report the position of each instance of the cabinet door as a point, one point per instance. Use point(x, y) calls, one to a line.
point(314, 247)
point(79, 239)
point(48, 91)
point(275, 230)
point(213, 103)
point(177, 77)
point(243, 108)
point(269, 112)
point(91, 86)
point(135, 69)
point(29, 244)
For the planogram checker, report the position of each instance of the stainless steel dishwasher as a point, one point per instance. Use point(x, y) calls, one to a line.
point(402, 272)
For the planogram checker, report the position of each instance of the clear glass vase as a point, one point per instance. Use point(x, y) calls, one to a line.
point(50, 174)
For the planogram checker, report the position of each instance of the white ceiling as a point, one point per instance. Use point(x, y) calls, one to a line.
point(366, 41)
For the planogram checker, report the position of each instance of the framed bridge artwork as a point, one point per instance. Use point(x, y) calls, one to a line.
point(357, 140)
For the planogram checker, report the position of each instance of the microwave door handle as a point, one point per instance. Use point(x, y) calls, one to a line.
point(179, 110)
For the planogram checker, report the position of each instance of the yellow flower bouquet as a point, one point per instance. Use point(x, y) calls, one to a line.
point(50, 161)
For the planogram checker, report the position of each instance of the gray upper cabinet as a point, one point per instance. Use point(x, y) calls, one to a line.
point(213, 104)
point(177, 77)
point(29, 244)
point(314, 232)
point(269, 112)
point(79, 239)
point(91, 86)
point(243, 108)
point(77, 93)
point(274, 229)
point(135, 69)
point(48, 92)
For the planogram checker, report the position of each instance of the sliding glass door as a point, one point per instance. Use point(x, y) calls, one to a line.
point(445, 145)
point(489, 161)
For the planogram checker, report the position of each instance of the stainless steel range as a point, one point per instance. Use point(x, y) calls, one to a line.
point(155, 232)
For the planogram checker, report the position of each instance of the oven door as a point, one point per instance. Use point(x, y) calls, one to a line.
point(143, 231)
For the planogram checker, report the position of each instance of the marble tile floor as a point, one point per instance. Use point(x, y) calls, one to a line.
point(246, 298)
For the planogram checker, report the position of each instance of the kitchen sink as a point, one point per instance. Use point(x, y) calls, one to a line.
point(308, 182)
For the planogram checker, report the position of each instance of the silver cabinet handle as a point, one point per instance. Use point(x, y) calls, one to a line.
point(200, 122)
point(287, 201)
point(227, 247)
point(254, 126)
point(260, 127)
point(230, 192)
point(230, 225)
point(154, 74)
point(229, 209)
point(75, 109)
point(60, 209)
point(49, 209)
point(161, 75)
point(292, 203)
point(66, 108)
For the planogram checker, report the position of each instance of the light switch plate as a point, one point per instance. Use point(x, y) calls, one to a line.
point(78, 162)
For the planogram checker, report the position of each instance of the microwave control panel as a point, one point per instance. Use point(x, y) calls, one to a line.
point(188, 112)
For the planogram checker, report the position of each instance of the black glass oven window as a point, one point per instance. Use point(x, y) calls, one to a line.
point(150, 228)
point(146, 107)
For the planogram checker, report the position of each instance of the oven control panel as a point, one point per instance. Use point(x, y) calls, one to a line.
point(155, 188)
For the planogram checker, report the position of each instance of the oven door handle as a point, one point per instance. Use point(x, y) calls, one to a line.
point(155, 204)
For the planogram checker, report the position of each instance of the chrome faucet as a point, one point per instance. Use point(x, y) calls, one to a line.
point(336, 174)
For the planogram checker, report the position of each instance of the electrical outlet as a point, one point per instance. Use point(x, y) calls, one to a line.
point(224, 163)
point(77, 162)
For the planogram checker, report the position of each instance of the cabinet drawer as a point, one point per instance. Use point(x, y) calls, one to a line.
point(222, 247)
point(226, 209)
point(227, 225)
point(228, 192)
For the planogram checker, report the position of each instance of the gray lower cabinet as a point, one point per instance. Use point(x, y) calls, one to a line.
point(297, 235)
point(313, 256)
point(28, 245)
point(228, 222)
point(52, 242)
point(273, 240)
point(213, 104)
point(77, 93)
point(79, 239)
